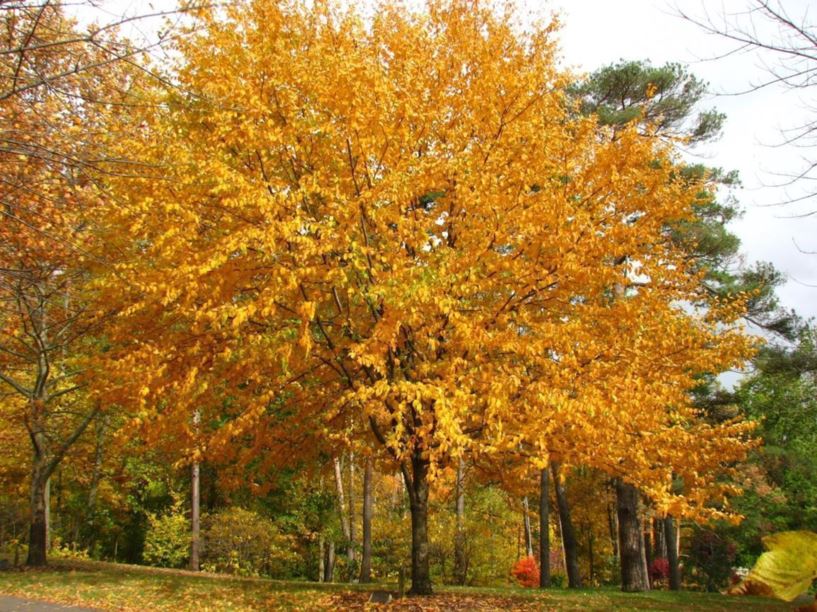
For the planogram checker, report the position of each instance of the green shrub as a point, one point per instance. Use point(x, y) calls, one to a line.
point(167, 543)
point(63, 550)
point(241, 542)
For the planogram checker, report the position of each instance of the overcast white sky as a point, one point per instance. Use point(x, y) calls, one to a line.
point(599, 32)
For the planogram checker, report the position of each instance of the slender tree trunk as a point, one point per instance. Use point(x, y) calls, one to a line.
point(38, 533)
point(329, 576)
point(569, 542)
point(460, 556)
point(195, 516)
point(660, 540)
point(528, 532)
point(47, 501)
point(671, 539)
point(321, 546)
point(612, 523)
point(366, 560)
point(350, 551)
point(344, 517)
point(44, 462)
point(195, 521)
point(417, 484)
point(634, 575)
point(93, 490)
point(649, 543)
point(544, 530)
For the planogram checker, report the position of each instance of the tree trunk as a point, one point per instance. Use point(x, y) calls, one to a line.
point(321, 562)
point(671, 540)
point(460, 556)
point(631, 542)
point(612, 523)
point(47, 500)
point(350, 551)
point(417, 484)
point(544, 530)
point(93, 490)
point(194, 517)
point(660, 540)
point(329, 576)
point(366, 561)
point(528, 533)
point(38, 533)
point(344, 518)
point(45, 461)
point(569, 542)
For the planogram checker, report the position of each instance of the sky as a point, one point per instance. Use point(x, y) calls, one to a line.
point(596, 33)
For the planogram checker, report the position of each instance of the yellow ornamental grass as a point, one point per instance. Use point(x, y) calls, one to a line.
point(397, 231)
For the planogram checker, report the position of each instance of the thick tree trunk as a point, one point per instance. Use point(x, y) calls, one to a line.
point(195, 521)
point(38, 533)
point(544, 530)
point(631, 542)
point(528, 532)
point(671, 540)
point(569, 542)
point(366, 560)
point(417, 483)
point(460, 556)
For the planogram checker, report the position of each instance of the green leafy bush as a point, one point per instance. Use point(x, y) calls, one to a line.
point(167, 543)
point(242, 542)
point(63, 550)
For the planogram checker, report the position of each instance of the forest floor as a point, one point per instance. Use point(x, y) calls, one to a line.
point(108, 586)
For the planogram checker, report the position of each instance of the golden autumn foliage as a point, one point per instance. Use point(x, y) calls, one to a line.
point(397, 229)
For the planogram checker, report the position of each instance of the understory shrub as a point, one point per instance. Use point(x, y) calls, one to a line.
point(526, 572)
point(167, 542)
point(244, 543)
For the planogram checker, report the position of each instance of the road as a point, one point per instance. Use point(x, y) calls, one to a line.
point(15, 604)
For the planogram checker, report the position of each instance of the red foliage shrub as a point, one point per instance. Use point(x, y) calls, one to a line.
point(526, 572)
point(659, 569)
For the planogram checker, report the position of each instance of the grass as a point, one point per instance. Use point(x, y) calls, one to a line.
point(110, 586)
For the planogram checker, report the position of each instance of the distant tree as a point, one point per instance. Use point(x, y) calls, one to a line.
point(662, 102)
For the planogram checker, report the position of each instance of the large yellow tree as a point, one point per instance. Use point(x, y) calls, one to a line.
point(398, 222)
